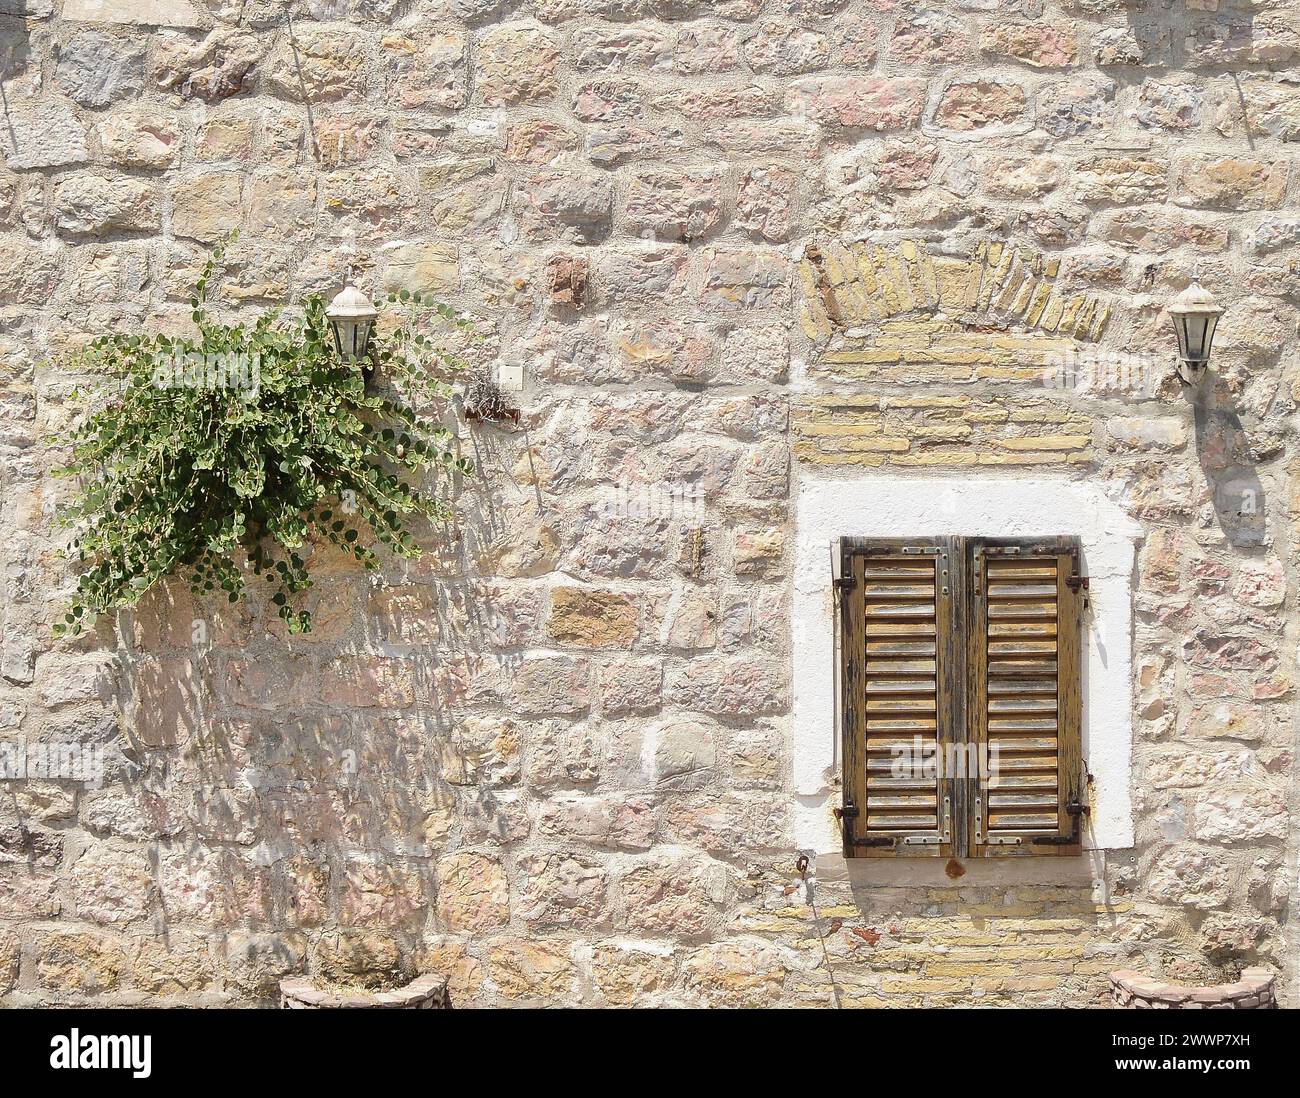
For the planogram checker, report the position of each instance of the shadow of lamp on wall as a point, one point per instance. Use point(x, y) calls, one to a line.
point(1223, 447)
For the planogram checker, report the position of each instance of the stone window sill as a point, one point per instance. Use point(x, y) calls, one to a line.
point(934, 872)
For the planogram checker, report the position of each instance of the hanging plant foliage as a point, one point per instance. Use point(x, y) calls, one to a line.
point(219, 456)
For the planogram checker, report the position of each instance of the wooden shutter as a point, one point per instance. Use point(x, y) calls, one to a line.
point(1025, 696)
point(901, 663)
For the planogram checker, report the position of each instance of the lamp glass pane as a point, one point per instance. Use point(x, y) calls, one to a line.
point(351, 337)
point(1196, 325)
point(361, 337)
point(1180, 329)
point(1212, 322)
point(1195, 334)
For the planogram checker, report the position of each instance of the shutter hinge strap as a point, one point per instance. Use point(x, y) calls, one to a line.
point(1077, 582)
point(846, 815)
point(1076, 810)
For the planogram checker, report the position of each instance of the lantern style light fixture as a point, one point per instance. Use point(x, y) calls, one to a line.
point(352, 315)
point(1195, 314)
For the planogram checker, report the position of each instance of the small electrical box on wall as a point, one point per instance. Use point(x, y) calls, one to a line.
point(510, 377)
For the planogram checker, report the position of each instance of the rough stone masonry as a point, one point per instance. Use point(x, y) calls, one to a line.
point(729, 242)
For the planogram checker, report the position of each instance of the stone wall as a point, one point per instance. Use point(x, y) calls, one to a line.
point(551, 760)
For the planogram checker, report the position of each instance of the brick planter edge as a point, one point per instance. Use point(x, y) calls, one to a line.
point(1253, 991)
point(423, 993)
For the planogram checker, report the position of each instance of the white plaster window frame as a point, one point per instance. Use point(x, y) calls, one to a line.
point(830, 507)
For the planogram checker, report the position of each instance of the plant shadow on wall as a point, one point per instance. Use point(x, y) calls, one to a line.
point(289, 761)
point(1212, 36)
point(15, 57)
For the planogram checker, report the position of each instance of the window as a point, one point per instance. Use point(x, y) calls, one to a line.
point(961, 702)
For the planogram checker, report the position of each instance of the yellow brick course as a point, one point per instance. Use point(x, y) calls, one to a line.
point(869, 430)
point(965, 947)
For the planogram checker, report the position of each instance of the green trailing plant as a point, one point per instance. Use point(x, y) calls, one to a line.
point(219, 456)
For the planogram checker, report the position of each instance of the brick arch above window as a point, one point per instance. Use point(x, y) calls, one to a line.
point(864, 285)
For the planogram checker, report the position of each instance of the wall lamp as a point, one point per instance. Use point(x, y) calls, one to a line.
point(352, 315)
point(1195, 314)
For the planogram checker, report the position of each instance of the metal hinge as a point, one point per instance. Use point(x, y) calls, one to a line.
point(850, 812)
point(843, 583)
point(846, 814)
point(1078, 583)
point(1076, 810)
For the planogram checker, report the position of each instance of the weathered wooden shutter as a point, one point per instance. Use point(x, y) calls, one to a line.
point(901, 692)
point(1025, 707)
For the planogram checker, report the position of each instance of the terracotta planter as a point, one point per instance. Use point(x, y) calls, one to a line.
point(423, 993)
point(1252, 992)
